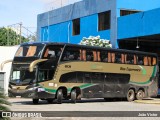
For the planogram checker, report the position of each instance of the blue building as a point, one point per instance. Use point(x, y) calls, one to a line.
point(128, 24)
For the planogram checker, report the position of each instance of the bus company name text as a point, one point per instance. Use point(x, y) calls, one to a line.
point(130, 69)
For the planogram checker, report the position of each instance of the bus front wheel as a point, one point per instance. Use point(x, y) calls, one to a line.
point(73, 96)
point(140, 95)
point(35, 101)
point(130, 95)
point(59, 96)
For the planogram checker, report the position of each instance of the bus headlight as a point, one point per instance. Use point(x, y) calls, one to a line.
point(33, 88)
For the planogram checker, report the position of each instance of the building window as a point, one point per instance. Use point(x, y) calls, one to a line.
point(104, 20)
point(127, 12)
point(76, 26)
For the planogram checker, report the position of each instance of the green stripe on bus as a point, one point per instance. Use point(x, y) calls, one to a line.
point(82, 86)
point(154, 70)
point(69, 89)
point(85, 86)
point(50, 90)
point(148, 81)
point(47, 89)
point(141, 82)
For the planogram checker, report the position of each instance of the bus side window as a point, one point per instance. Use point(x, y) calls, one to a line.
point(149, 61)
point(135, 59)
point(113, 57)
point(109, 57)
point(46, 53)
point(130, 59)
point(65, 56)
point(87, 77)
point(19, 52)
point(94, 56)
point(123, 58)
point(71, 54)
point(140, 60)
point(145, 60)
point(98, 56)
point(89, 55)
point(104, 56)
point(31, 51)
point(118, 58)
point(154, 61)
point(83, 55)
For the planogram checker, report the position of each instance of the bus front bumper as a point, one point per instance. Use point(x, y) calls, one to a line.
point(22, 93)
point(34, 93)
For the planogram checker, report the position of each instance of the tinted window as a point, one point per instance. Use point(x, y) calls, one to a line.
point(97, 78)
point(71, 53)
point(87, 77)
point(68, 78)
point(29, 51)
point(52, 51)
point(112, 78)
point(104, 56)
point(80, 76)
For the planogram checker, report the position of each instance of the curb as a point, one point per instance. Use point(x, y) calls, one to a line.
point(151, 101)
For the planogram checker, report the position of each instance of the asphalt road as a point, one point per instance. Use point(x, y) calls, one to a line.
point(89, 109)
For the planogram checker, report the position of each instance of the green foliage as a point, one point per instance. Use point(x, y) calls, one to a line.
point(10, 37)
point(3, 105)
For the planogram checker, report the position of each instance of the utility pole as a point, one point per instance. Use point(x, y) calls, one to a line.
point(20, 32)
point(8, 36)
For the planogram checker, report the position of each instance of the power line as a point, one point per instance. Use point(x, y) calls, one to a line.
point(20, 30)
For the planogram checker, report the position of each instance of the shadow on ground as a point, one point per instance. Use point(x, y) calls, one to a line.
point(41, 102)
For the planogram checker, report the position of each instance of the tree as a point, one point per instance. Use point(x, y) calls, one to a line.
point(10, 37)
point(31, 38)
point(96, 41)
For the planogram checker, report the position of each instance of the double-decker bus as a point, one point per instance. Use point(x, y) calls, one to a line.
point(49, 71)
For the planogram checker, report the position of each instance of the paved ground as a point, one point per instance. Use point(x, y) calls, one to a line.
point(19, 104)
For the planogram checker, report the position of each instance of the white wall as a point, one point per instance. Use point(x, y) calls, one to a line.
point(7, 53)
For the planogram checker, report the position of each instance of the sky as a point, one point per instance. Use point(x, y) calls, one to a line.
point(26, 11)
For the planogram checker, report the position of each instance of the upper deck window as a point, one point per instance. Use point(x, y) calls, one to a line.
point(29, 51)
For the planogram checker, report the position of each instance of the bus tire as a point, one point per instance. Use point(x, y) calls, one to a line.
point(35, 101)
point(59, 96)
point(140, 95)
point(130, 95)
point(73, 96)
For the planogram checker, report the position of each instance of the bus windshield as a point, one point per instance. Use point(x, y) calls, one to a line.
point(22, 77)
point(29, 51)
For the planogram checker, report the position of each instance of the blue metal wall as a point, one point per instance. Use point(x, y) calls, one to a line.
point(139, 24)
point(60, 21)
point(142, 5)
point(63, 32)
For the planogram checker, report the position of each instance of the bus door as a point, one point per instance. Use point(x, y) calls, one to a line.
point(94, 85)
point(109, 86)
point(116, 84)
point(97, 80)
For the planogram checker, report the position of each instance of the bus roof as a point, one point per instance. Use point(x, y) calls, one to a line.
point(91, 47)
